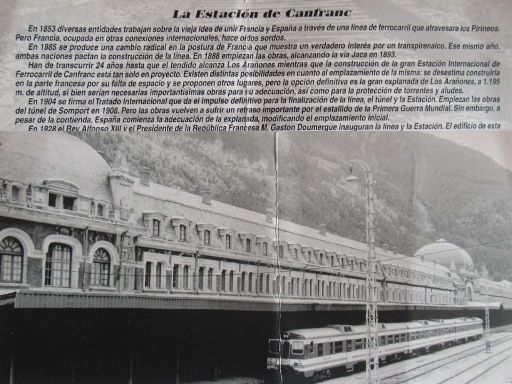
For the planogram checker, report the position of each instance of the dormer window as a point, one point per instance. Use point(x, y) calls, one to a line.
point(62, 194)
point(207, 237)
point(15, 193)
point(248, 245)
point(183, 233)
point(52, 200)
point(156, 228)
point(228, 241)
point(68, 203)
point(265, 248)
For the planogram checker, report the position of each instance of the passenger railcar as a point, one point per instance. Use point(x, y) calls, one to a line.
point(320, 353)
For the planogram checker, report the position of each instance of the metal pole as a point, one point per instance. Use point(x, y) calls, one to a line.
point(11, 369)
point(130, 369)
point(177, 367)
point(487, 328)
point(372, 320)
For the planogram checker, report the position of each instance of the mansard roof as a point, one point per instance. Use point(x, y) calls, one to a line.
point(172, 201)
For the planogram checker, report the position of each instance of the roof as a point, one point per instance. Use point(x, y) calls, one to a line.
point(446, 254)
point(32, 158)
point(316, 333)
point(178, 203)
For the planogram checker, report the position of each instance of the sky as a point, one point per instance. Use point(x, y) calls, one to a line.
point(495, 144)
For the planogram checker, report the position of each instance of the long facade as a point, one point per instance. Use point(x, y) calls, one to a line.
point(75, 232)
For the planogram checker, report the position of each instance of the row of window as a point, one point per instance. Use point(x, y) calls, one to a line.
point(58, 270)
point(58, 264)
point(262, 283)
point(309, 256)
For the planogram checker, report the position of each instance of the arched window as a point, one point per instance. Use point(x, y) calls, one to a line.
point(11, 260)
point(57, 271)
point(183, 233)
point(101, 268)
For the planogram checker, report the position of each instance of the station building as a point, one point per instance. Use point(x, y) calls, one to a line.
point(76, 232)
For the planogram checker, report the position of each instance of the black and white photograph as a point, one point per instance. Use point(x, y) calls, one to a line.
point(248, 259)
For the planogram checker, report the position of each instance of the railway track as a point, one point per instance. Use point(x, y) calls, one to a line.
point(470, 374)
point(424, 369)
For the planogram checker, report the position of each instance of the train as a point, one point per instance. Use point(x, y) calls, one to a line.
point(317, 354)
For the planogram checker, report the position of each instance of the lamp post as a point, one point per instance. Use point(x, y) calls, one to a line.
point(372, 320)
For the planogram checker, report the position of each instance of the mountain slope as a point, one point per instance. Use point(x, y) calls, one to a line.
point(427, 188)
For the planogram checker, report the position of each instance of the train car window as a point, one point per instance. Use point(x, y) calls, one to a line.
point(397, 339)
point(311, 347)
point(338, 347)
point(382, 340)
point(286, 350)
point(349, 345)
point(274, 346)
point(331, 345)
point(320, 349)
point(390, 339)
point(358, 344)
point(298, 348)
point(403, 337)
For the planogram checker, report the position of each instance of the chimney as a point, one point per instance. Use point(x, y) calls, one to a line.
point(207, 197)
point(269, 215)
point(323, 229)
point(144, 176)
